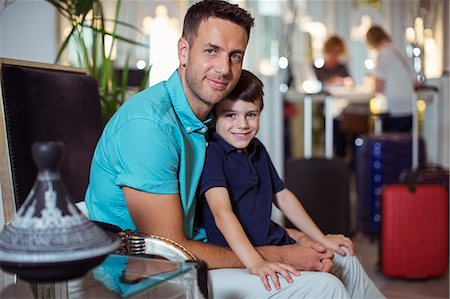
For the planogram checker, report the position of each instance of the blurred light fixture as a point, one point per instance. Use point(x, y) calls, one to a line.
point(283, 88)
point(265, 67)
point(369, 63)
point(416, 51)
point(312, 86)
point(358, 32)
point(283, 62)
point(421, 106)
point(410, 34)
point(378, 104)
point(147, 25)
point(141, 64)
point(110, 47)
point(418, 27)
point(359, 141)
point(319, 62)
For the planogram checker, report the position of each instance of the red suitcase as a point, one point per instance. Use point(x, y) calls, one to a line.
point(414, 231)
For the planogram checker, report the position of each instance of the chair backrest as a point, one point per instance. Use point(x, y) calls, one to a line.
point(44, 102)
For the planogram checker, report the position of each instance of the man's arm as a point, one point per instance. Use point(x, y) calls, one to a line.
point(161, 214)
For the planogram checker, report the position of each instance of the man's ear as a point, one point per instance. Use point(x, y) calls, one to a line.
point(183, 51)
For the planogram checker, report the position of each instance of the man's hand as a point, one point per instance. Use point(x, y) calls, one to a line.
point(307, 258)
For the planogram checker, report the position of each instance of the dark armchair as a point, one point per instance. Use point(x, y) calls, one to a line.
point(44, 102)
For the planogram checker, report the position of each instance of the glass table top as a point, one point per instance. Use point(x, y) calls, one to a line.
point(119, 276)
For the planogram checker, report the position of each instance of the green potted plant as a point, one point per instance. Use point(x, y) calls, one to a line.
point(88, 23)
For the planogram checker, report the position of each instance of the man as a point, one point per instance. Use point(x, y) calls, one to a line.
point(394, 79)
point(148, 162)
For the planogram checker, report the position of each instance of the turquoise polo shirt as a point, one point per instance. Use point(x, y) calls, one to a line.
point(154, 143)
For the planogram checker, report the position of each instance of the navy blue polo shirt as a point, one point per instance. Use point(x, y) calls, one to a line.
point(251, 180)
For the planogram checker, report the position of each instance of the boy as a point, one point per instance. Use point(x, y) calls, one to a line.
point(240, 183)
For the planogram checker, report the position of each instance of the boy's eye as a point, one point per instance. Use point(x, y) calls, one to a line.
point(251, 114)
point(230, 115)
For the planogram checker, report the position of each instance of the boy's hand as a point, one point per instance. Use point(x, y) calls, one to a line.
point(334, 242)
point(264, 269)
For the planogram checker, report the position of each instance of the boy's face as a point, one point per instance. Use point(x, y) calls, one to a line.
point(237, 122)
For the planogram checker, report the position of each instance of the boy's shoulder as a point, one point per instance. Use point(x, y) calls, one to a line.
point(215, 147)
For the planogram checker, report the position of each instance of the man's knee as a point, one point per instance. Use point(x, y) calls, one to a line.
point(323, 285)
point(331, 286)
point(346, 262)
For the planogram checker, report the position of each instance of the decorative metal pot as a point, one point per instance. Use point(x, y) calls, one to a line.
point(50, 239)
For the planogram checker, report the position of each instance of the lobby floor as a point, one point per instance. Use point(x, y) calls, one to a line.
point(367, 252)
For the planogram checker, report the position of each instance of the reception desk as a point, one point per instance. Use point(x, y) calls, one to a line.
point(335, 99)
point(119, 276)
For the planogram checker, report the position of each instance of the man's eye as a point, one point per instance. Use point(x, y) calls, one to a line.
point(210, 51)
point(236, 57)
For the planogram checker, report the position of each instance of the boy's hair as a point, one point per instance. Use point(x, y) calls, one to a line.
point(205, 9)
point(248, 89)
point(375, 35)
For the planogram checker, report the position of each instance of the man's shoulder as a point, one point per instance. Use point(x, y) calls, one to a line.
point(152, 104)
point(150, 108)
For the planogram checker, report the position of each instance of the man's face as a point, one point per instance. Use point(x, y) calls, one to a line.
point(213, 62)
point(237, 122)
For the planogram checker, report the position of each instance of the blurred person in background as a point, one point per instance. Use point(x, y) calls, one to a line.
point(394, 80)
point(334, 73)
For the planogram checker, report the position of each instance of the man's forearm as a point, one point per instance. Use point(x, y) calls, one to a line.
point(271, 253)
point(215, 256)
point(301, 258)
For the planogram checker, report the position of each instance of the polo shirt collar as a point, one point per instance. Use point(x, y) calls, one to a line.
point(229, 148)
point(182, 108)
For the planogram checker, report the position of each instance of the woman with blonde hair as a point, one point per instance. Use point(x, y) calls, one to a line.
point(333, 71)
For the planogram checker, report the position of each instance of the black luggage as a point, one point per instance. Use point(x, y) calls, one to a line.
point(379, 160)
point(321, 184)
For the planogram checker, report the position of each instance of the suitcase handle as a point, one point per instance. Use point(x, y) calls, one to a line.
point(408, 179)
point(426, 89)
point(307, 121)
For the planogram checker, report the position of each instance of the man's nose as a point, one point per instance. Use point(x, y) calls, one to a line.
point(223, 65)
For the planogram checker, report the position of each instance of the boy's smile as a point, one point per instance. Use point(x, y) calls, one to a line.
point(237, 122)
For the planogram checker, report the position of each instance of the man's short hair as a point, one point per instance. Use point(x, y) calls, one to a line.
point(375, 35)
point(248, 89)
point(205, 9)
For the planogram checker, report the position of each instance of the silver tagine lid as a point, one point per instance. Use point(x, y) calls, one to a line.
point(49, 233)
